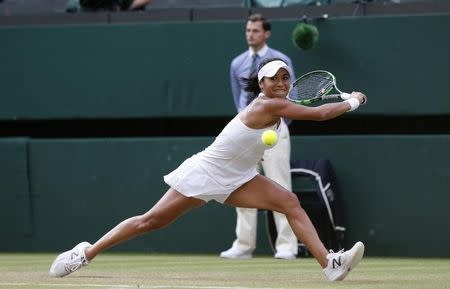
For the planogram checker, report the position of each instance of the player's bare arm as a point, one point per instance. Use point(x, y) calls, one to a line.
point(285, 108)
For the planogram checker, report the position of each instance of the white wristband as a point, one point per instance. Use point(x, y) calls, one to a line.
point(354, 103)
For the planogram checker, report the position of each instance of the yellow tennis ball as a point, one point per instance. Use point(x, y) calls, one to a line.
point(269, 137)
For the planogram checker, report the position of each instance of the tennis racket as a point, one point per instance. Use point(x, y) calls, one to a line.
point(315, 86)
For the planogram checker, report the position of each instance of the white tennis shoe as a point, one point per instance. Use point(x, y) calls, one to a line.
point(70, 261)
point(286, 255)
point(234, 253)
point(340, 263)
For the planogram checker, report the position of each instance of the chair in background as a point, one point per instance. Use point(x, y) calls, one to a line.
point(314, 182)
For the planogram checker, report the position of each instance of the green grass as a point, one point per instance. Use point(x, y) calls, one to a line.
point(121, 271)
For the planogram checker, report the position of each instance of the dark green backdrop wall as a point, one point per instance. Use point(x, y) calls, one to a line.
point(395, 187)
point(182, 69)
point(54, 192)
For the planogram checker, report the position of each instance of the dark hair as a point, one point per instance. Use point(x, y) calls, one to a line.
point(252, 84)
point(258, 17)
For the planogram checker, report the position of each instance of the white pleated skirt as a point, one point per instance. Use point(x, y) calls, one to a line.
point(194, 178)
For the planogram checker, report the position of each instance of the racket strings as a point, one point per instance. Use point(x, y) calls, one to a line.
point(312, 86)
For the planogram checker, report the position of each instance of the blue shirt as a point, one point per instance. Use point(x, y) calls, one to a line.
point(240, 68)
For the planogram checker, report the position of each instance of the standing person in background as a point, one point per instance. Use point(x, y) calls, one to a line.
point(276, 161)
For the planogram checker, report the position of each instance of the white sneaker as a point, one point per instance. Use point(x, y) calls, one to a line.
point(286, 255)
point(233, 253)
point(340, 263)
point(70, 261)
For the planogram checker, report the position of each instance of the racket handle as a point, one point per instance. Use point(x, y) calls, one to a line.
point(331, 96)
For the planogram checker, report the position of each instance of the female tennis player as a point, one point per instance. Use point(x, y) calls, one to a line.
point(226, 172)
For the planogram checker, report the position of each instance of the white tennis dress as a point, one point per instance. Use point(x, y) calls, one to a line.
point(228, 163)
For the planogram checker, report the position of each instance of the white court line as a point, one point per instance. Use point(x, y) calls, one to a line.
point(115, 286)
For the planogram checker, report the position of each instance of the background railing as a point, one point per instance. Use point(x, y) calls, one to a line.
point(26, 7)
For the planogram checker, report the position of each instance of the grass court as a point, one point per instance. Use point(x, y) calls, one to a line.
point(156, 271)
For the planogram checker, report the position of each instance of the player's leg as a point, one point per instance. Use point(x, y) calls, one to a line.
point(263, 193)
point(171, 206)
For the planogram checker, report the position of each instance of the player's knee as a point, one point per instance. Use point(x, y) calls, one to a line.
point(291, 203)
point(293, 199)
point(147, 223)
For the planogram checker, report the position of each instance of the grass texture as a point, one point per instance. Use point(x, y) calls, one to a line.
point(150, 271)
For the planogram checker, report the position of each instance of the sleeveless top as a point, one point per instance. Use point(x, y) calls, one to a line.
point(235, 152)
point(228, 163)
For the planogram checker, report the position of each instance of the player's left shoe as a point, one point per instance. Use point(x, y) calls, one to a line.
point(340, 263)
point(70, 261)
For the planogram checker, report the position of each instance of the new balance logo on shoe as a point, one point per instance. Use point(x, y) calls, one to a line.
point(336, 262)
point(340, 263)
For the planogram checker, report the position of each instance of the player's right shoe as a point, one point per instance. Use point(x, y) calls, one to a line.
point(340, 263)
point(70, 261)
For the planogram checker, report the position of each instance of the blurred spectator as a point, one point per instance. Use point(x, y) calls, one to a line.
point(285, 3)
point(106, 5)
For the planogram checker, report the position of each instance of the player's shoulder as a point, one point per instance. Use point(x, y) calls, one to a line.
point(273, 101)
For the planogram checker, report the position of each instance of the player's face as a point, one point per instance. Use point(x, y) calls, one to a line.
point(255, 34)
point(277, 85)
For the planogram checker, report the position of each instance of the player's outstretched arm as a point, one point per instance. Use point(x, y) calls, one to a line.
point(285, 108)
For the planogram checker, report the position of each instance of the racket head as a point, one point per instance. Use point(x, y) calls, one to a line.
point(311, 87)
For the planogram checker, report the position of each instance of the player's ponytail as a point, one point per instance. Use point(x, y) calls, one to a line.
point(252, 85)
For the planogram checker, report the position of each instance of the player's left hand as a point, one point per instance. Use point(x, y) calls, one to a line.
point(360, 96)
